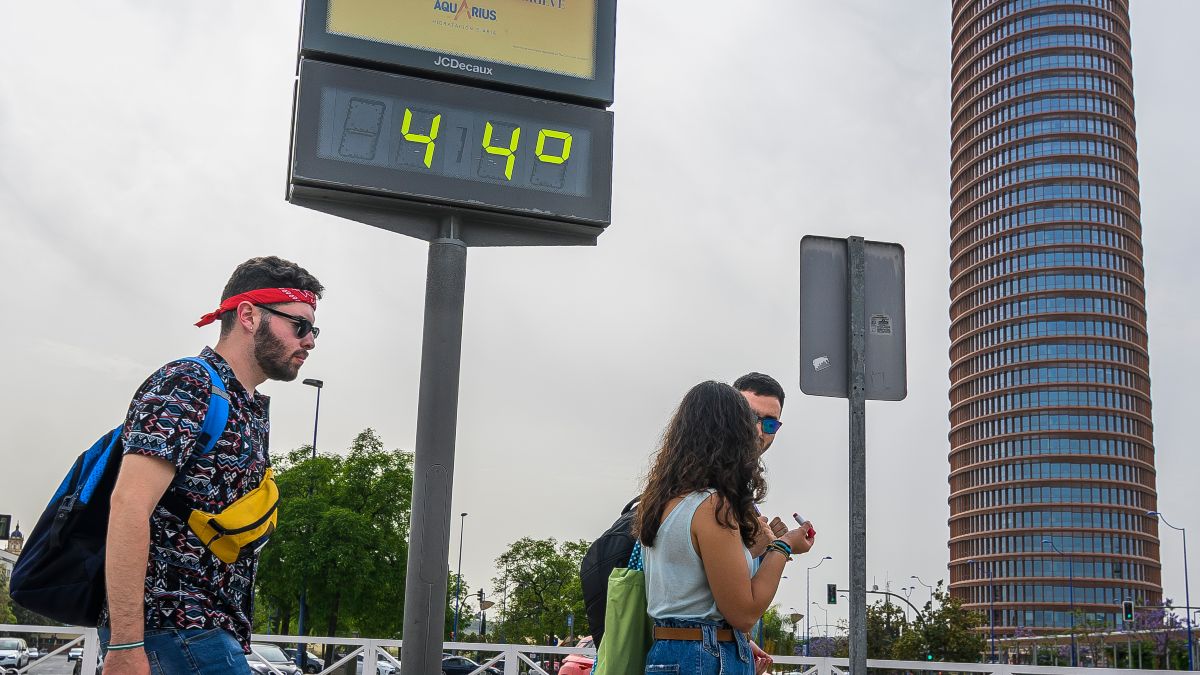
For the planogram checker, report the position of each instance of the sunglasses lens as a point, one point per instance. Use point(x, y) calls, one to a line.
point(770, 425)
point(303, 327)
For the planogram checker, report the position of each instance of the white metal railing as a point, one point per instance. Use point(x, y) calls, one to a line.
point(91, 644)
point(516, 658)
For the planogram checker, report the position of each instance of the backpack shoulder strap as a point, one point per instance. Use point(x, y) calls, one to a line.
point(218, 407)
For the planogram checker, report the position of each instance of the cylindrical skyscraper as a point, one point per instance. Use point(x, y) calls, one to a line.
point(1051, 450)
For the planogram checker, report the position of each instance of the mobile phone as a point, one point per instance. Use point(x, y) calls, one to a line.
point(800, 520)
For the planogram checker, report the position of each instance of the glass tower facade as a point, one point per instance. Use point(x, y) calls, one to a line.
point(1051, 449)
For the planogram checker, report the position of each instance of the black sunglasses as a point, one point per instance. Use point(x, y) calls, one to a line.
point(769, 424)
point(303, 325)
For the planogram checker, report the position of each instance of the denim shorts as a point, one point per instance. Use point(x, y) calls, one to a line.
point(699, 657)
point(193, 651)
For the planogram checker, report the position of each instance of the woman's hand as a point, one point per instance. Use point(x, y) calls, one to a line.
point(762, 660)
point(799, 539)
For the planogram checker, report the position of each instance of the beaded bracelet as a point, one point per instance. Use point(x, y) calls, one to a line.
point(127, 645)
point(780, 549)
point(784, 544)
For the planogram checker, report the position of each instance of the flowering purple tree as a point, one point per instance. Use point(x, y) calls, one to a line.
point(1165, 628)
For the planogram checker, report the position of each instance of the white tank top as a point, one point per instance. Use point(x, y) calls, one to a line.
point(676, 586)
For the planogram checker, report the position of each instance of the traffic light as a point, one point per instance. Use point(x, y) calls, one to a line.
point(928, 656)
point(1127, 611)
point(831, 594)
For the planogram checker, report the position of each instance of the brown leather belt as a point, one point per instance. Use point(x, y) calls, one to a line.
point(664, 633)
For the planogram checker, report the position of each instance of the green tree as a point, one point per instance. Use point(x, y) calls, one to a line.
point(944, 630)
point(6, 612)
point(343, 535)
point(779, 636)
point(541, 581)
point(452, 599)
point(886, 626)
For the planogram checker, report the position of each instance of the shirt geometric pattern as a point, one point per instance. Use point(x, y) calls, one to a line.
point(186, 585)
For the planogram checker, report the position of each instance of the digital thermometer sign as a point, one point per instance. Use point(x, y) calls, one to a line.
point(392, 135)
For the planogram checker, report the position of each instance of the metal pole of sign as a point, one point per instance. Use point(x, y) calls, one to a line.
point(433, 471)
point(856, 388)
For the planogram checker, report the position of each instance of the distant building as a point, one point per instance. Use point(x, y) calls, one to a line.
point(1050, 425)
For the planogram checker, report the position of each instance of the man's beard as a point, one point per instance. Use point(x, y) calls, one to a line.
point(272, 357)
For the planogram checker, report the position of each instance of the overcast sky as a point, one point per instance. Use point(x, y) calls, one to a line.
point(143, 150)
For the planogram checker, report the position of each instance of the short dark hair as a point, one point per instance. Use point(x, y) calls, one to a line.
point(266, 272)
point(758, 383)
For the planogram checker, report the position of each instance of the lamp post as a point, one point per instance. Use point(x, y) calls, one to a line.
point(458, 578)
point(795, 617)
point(808, 603)
point(991, 606)
point(1187, 615)
point(1071, 596)
point(826, 610)
point(907, 590)
point(926, 586)
point(302, 649)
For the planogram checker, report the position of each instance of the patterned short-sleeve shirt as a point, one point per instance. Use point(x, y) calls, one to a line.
point(186, 585)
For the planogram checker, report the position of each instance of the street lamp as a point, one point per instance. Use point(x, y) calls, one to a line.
point(1071, 592)
point(808, 603)
point(1187, 616)
point(926, 586)
point(908, 595)
point(302, 649)
point(991, 605)
point(458, 580)
point(795, 617)
point(826, 610)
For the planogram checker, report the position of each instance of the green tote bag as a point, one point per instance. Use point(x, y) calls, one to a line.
point(628, 630)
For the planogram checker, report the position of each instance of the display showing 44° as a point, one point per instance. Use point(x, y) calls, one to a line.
point(455, 142)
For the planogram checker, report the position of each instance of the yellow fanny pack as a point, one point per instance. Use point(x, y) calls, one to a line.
point(243, 527)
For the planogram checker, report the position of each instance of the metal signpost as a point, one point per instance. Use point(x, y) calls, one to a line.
point(479, 123)
point(852, 335)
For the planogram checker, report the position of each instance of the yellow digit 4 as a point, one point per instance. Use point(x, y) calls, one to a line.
point(541, 145)
point(502, 151)
point(421, 138)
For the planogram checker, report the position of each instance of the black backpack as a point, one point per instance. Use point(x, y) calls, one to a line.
point(611, 550)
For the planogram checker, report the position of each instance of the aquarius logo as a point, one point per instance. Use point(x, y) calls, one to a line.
point(462, 8)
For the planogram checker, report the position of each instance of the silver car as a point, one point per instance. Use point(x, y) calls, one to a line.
point(13, 653)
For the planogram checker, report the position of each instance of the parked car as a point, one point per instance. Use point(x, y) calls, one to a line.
point(271, 653)
point(313, 665)
point(74, 653)
point(14, 652)
point(578, 664)
point(461, 665)
point(34, 653)
point(382, 666)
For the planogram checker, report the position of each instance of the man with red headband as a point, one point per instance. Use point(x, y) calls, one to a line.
point(173, 605)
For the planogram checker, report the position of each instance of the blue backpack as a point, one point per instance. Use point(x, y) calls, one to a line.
point(60, 573)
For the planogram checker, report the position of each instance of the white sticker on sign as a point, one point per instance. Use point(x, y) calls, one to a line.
point(820, 363)
point(881, 324)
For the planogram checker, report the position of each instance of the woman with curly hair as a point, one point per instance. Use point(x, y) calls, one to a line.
point(696, 522)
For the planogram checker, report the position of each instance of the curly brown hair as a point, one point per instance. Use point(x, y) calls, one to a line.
point(711, 442)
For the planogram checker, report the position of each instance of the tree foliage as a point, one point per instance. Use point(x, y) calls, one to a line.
point(343, 536)
point(6, 612)
point(539, 582)
point(779, 633)
point(944, 630)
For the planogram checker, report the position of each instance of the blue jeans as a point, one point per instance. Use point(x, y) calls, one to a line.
point(193, 651)
point(699, 657)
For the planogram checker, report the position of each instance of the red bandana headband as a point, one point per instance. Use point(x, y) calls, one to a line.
point(262, 296)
